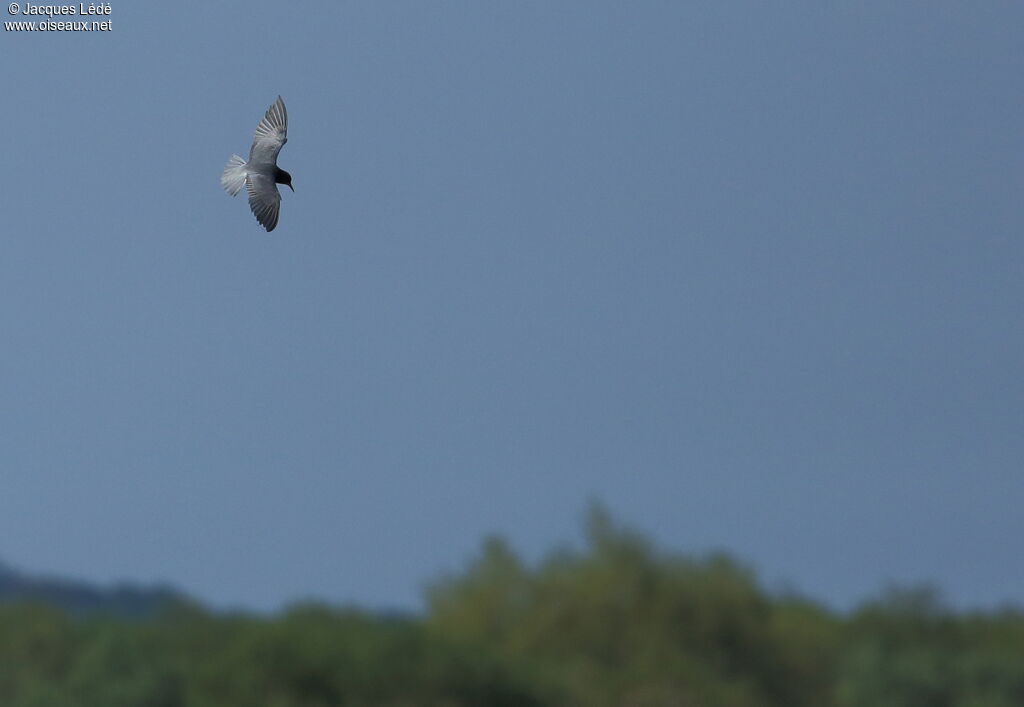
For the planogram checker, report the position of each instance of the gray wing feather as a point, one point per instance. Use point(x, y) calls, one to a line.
point(271, 135)
point(264, 199)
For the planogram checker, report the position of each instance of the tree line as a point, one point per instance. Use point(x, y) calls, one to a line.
point(618, 623)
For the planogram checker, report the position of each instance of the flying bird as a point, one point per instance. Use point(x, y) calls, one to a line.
point(260, 174)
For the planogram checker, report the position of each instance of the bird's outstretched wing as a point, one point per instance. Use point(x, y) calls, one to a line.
point(264, 199)
point(271, 135)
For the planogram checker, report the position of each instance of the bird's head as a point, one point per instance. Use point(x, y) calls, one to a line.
point(282, 177)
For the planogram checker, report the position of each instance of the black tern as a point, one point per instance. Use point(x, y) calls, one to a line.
point(260, 174)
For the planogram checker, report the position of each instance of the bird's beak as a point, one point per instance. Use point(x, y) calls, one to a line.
point(291, 187)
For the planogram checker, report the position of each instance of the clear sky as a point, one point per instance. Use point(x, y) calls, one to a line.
point(750, 273)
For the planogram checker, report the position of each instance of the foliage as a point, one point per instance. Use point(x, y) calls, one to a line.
point(618, 623)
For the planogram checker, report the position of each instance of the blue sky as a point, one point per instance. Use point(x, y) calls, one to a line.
point(752, 275)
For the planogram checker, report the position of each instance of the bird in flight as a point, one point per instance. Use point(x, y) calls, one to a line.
point(260, 174)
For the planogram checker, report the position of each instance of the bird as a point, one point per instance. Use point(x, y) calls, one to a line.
point(260, 174)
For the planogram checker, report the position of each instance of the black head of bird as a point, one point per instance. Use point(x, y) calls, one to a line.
point(282, 177)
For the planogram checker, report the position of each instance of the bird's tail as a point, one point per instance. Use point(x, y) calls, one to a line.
point(234, 175)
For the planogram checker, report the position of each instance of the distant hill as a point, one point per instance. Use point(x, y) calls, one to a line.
point(83, 599)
